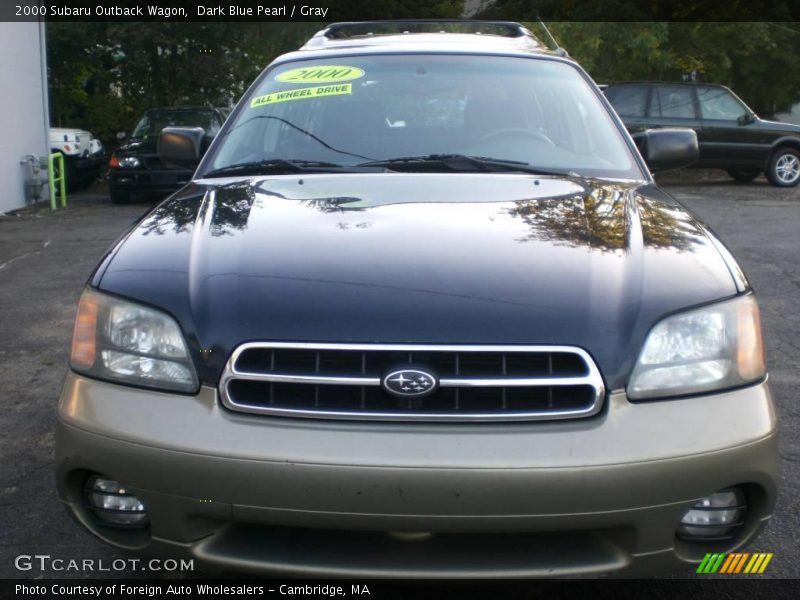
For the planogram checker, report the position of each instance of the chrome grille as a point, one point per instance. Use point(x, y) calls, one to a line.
point(476, 383)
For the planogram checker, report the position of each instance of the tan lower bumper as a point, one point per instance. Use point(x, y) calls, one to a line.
point(539, 499)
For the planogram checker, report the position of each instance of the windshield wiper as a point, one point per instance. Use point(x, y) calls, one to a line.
point(461, 162)
point(299, 129)
point(282, 166)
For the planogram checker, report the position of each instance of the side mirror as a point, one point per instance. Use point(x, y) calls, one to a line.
point(121, 135)
point(181, 145)
point(665, 149)
point(746, 119)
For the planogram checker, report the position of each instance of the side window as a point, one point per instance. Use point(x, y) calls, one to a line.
point(719, 103)
point(215, 125)
point(672, 102)
point(628, 100)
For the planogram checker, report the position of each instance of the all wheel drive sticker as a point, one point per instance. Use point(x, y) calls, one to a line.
point(331, 74)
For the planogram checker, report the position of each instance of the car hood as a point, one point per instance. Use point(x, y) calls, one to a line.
point(424, 258)
point(138, 146)
point(781, 126)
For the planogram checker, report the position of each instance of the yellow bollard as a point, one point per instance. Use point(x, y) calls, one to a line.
point(57, 174)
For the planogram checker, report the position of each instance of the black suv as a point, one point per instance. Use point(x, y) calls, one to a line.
point(135, 167)
point(730, 134)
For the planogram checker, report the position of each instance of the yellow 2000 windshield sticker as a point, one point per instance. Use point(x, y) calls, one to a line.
point(301, 93)
point(321, 74)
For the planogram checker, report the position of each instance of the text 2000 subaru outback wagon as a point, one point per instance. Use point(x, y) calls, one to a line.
point(422, 311)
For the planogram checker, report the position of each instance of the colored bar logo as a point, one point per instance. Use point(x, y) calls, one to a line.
point(735, 563)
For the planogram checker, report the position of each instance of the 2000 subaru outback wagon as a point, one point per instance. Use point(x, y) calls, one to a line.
point(422, 311)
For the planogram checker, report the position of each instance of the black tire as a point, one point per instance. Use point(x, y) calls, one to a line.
point(118, 196)
point(784, 167)
point(744, 175)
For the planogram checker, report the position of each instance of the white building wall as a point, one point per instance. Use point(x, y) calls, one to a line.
point(23, 106)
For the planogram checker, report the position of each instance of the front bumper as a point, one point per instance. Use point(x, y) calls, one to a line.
point(149, 181)
point(591, 496)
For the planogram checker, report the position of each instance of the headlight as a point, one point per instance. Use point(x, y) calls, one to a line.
point(126, 342)
point(129, 162)
point(710, 348)
point(126, 162)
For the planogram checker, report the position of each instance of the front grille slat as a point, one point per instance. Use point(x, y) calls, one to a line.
point(476, 383)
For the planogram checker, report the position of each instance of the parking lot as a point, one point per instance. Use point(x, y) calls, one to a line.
point(45, 258)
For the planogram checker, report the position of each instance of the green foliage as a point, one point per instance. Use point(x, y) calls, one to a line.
point(103, 76)
point(755, 59)
point(615, 51)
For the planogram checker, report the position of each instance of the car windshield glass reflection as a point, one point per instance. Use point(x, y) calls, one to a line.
point(539, 114)
point(600, 220)
point(153, 122)
point(225, 216)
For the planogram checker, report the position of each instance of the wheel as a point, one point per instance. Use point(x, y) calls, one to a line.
point(118, 196)
point(784, 168)
point(744, 175)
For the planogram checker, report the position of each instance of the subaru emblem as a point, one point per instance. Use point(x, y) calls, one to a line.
point(409, 383)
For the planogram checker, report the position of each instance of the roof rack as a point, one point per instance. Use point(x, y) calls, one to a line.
point(369, 32)
point(351, 29)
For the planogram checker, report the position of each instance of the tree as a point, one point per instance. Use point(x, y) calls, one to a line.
point(102, 76)
point(755, 59)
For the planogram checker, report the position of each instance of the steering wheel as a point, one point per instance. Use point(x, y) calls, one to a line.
point(516, 131)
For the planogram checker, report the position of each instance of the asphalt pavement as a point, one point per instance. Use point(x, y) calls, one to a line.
point(46, 257)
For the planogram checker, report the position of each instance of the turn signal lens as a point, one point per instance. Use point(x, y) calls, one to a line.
point(114, 162)
point(750, 357)
point(84, 336)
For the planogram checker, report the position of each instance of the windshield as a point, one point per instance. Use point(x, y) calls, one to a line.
point(352, 110)
point(154, 121)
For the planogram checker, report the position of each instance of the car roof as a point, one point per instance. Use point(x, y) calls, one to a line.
point(422, 36)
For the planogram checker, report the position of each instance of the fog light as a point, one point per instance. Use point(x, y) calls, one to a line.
point(113, 504)
point(714, 517)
